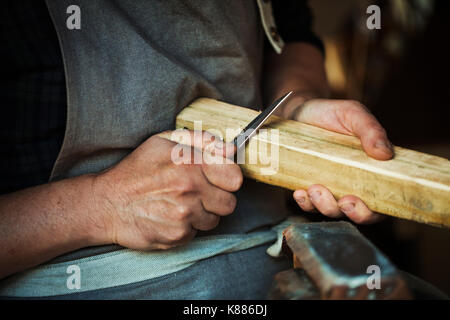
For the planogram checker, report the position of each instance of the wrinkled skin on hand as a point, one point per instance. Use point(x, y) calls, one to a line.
point(154, 203)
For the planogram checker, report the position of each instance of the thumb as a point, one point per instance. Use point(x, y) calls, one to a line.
point(373, 137)
point(351, 118)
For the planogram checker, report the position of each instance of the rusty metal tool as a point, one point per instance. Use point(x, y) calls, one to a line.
point(338, 263)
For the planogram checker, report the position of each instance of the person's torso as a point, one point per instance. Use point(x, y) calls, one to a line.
point(134, 65)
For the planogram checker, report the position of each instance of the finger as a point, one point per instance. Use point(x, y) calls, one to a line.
point(324, 201)
point(218, 201)
point(348, 117)
point(302, 199)
point(202, 140)
point(372, 135)
point(356, 210)
point(167, 244)
point(219, 147)
point(206, 221)
point(224, 174)
point(200, 219)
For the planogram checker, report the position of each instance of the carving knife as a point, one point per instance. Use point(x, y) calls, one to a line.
point(251, 129)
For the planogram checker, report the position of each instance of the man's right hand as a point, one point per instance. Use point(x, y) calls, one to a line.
point(149, 202)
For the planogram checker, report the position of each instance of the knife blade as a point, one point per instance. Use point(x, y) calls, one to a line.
point(250, 130)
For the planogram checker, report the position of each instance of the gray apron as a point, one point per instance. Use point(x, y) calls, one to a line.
point(134, 65)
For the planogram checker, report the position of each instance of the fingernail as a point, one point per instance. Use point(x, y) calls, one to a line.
point(347, 207)
point(383, 145)
point(315, 196)
point(300, 199)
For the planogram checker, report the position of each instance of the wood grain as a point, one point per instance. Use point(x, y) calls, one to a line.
point(413, 185)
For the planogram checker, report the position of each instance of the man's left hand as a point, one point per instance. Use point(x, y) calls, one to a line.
point(351, 118)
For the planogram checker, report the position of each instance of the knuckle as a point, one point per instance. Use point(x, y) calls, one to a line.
point(230, 204)
point(378, 130)
point(213, 223)
point(154, 138)
point(187, 185)
point(178, 234)
point(236, 178)
point(183, 212)
point(356, 108)
point(375, 133)
point(354, 104)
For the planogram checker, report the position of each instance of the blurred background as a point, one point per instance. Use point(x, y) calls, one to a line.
point(400, 73)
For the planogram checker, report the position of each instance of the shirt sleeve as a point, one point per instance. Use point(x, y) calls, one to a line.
point(294, 20)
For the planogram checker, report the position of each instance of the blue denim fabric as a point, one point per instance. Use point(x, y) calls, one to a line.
point(125, 266)
point(246, 274)
point(130, 269)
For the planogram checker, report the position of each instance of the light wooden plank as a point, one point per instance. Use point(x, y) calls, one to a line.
point(413, 185)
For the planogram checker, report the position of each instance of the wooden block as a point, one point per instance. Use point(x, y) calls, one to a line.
point(413, 185)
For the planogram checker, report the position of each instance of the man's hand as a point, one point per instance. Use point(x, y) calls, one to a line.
point(352, 118)
point(144, 202)
point(153, 203)
point(300, 68)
